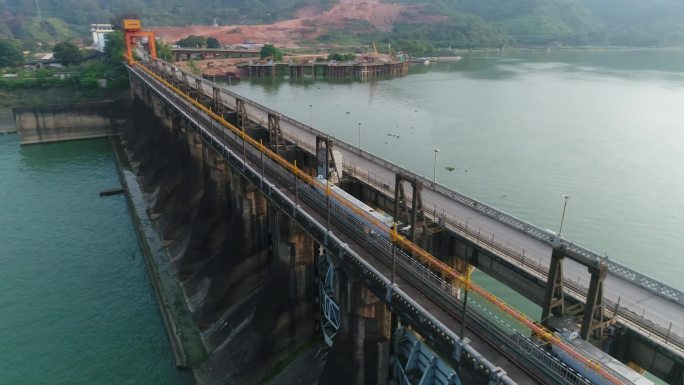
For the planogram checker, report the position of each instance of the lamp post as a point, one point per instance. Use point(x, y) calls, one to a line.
point(434, 167)
point(359, 123)
point(565, 204)
point(310, 106)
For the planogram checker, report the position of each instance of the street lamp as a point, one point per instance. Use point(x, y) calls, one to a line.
point(434, 168)
point(565, 204)
point(359, 123)
point(310, 106)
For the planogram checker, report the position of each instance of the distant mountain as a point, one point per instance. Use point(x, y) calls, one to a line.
point(639, 22)
point(461, 23)
point(577, 22)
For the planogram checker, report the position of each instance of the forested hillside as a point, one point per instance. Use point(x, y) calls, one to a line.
point(466, 23)
point(576, 22)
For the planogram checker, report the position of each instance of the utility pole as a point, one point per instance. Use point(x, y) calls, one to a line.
point(434, 168)
point(359, 123)
point(565, 204)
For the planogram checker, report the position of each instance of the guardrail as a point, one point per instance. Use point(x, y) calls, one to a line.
point(583, 254)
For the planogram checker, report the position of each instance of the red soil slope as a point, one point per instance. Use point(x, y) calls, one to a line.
point(309, 24)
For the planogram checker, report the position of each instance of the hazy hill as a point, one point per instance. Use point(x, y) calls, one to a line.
point(640, 22)
point(465, 23)
point(577, 22)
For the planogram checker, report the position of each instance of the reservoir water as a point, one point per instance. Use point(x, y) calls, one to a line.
point(76, 305)
point(521, 129)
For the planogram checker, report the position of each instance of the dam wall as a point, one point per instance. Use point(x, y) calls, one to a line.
point(54, 123)
point(247, 271)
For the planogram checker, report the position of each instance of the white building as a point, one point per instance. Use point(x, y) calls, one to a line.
point(100, 32)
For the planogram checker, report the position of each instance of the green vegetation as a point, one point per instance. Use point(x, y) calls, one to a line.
point(212, 42)
point(341, 56)
point(272, 52)
point(67, 53)
point(33, 30)
point(92, 77)
point(458, 31)
point(163, 51)
point(10, 53)
point(194, 68)
point(115, 46)
point(413, 47)
point(193, 41)
point(82, 77)
point(573, 22)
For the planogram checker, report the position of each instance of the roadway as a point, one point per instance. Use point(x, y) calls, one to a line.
point(638, 306)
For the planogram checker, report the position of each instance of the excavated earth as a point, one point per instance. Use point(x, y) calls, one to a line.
point(310, 23)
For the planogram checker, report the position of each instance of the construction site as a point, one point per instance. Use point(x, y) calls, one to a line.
point(233, 64)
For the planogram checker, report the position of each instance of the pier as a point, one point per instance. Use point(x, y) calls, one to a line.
point(362, 70)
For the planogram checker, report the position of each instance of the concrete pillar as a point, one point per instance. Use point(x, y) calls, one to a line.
point(554, 300)
point(370, 332)
point(593, 309)
point(195, 144)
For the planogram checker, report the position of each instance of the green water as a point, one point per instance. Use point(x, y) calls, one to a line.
point(521, 129)
point(76, 305)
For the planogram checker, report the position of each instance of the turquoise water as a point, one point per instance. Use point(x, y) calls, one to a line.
point(76, 305)
point(521, 129)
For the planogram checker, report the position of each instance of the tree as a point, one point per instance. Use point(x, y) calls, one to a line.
point(341, 56)
point(115, 45)
point(10, 53)
point(164, 51)
point(413, 47)
point(269, 50)
point(67, 53)
point(212, 42)
point(193, 41)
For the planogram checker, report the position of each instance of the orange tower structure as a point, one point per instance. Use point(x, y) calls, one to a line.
point(132, 32)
